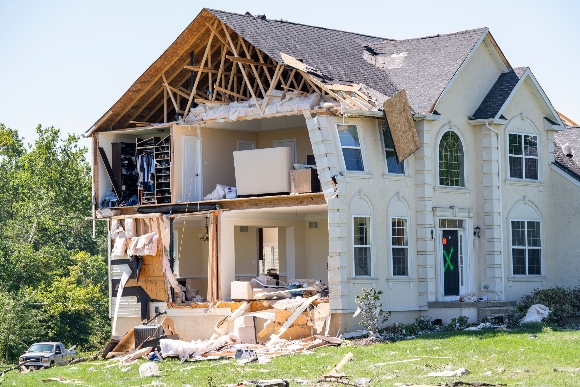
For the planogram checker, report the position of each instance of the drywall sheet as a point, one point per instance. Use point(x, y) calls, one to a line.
point(401, 124)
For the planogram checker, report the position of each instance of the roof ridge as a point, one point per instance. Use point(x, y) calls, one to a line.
point(443, 35)
point(299, 24)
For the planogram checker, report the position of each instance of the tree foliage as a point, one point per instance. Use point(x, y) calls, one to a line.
point(52, 271)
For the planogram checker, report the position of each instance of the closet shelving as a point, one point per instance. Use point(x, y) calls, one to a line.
point(158, 188)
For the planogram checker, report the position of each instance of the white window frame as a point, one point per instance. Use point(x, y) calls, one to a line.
point(393, 275)
point(370, 241)
point(361, 142)
point(526, 248)
point(465, 163)
point(384, 148)
point(523, 178)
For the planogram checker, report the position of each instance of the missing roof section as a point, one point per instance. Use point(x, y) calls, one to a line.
point(384, 61)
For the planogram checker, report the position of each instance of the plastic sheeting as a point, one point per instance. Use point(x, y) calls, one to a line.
point(184, 349)
point(536, 313)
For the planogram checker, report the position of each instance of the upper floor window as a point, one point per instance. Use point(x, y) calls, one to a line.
point(526, 247)
point(400, 246)
point(351, 147)
point(451, 160)
point(392, 165)
point(523, 156)
point(361, 226)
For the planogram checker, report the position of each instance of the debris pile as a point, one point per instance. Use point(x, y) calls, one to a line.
point(285, 327)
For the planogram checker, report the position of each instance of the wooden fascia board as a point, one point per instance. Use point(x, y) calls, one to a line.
point(528, 74)
point(460, 69)
point(171, 55)
point(499, 51)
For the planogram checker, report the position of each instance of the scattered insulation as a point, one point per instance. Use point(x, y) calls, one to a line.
point(289, 103)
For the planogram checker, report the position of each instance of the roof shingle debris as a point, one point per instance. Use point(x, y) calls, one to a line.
point(422, 66)
point(498, 94)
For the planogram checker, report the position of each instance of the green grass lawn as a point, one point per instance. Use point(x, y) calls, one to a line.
point(512, 358)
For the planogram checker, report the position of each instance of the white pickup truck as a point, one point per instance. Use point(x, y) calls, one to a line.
point(42, 355)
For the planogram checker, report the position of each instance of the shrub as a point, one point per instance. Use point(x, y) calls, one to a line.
point(458, 324)
point(562, 302)
point(424, 323)
point(370, 309)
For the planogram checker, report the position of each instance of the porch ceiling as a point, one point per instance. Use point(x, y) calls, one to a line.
point(313, 212)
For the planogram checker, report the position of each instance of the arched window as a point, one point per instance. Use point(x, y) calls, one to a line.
point(451, 164)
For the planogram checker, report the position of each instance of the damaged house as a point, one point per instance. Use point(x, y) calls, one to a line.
point(257, 155)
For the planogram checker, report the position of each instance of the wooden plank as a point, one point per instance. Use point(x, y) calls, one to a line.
point(200, 69)
point(203, 100)
point(215, 31)
point(247, 61)
point(253, 67)
point(222, 90)
point(273, 83)
point(296, 314)
point(166, 84)
point(220, 76)
point(401, 125)
point(340, 364)
point(194, 88)
point(177, 91)
point(241, 67)
point(164, 105)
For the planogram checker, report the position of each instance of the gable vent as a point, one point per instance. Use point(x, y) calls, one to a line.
point(312, 224)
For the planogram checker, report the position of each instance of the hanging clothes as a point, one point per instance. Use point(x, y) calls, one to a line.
point(146, 164)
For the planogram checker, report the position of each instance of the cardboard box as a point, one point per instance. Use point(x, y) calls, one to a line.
point(304, 181)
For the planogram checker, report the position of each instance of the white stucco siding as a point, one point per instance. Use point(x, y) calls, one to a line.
point(562, 234)
point(525, 112)
point(373, 192)
point(470, 86)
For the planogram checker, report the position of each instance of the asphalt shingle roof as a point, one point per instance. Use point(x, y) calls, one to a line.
point(427, 68)
point(499, 93)
point(570, 165)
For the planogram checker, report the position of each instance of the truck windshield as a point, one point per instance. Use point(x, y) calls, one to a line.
point(41, 348)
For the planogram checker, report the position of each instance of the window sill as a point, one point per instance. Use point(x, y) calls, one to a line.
point(524, 183)
point(357, 175)
point(362, 279)
point(527, 278)
point(453, 190)
point(401, 278)
point(397, 177)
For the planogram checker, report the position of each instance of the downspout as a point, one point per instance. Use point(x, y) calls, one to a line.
point(500, 166)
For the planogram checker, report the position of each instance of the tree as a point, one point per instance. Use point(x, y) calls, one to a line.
point(50, 266)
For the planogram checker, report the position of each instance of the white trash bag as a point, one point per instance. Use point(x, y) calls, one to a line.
point(536, 313)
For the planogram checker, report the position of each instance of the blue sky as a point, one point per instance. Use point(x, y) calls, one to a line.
point(65, 62)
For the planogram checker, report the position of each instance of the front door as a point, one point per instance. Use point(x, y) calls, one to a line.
point(191, 169)
point(451, 263)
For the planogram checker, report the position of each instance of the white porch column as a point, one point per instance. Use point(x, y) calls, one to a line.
point(227, 257)
point(290, 254)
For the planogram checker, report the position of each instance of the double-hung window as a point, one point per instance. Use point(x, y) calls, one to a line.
point(523, 156)
point(361, 226)
point(400, 246)
point(351, 147)
point(392, 165)
point(526, 247)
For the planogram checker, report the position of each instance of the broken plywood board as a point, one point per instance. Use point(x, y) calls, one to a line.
point(401, 125)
